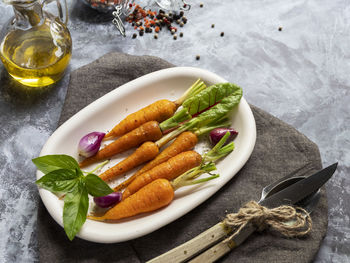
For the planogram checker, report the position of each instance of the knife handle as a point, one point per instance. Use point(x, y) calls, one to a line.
point(222, 248)
point(194, 246)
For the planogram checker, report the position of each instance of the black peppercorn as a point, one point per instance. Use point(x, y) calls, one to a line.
point(198, 57)
point(134, 35)
point(222, 34)
point(181, 34)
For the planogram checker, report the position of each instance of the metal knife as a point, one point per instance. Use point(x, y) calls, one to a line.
point(288, 196)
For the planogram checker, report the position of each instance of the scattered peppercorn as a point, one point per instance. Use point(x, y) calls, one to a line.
point(144, 20)
point(198, 57)
point(201, 5)
point(175, 37)
point(156, 36)
point(212, 25)
point(280, 28)
point(134, 35)
point(222, 34)
point(181, 34)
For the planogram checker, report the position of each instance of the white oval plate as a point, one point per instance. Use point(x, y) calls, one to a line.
point(104, 113)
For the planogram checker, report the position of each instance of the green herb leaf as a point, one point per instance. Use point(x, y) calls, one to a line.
point(96, 186)
point(218, 111)
point(49, 163)
point(60, 181)
point(75, 209)
point(209, 96)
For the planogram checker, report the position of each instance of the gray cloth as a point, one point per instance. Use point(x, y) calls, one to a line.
point(280, 150)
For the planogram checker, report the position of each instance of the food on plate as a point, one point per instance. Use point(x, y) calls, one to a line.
point(153, 186)
point(90, 143)
point(216, 134)
point(178, 165)
point(214, 117)
point(148, 131)
point(157, 192)
point(108, 200)
point(169, 170)
point(184, 142)
point(63, 177)
point(194, 105)
point(147, 151)
point(155, 195)
point(157, 111)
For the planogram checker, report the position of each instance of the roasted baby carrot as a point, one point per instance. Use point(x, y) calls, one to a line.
point(184, 142)
point(157, 111)
point(147, 151)
point(169, 170)
point(148, 131)
point(155, 195)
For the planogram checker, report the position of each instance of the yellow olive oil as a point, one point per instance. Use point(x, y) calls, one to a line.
point(37, 57)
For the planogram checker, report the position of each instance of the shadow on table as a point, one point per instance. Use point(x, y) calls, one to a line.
point(21, 95)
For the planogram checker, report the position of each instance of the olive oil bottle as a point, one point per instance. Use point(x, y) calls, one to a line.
point(37, 51)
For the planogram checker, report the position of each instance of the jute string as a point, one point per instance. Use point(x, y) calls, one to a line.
point(288, 220)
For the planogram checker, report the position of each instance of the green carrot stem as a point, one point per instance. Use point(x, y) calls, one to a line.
point(188, 177)
point(196, 87)
point(206, 179)
point(219, 150)
point(203, 130)
point(192, 182)
point(165, 139)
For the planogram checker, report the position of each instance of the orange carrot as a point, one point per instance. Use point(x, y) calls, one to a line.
point(157, 111)
point(153, 196)
point(169, 170)
point(148, 131)
point(184, 142)
point(147, 151)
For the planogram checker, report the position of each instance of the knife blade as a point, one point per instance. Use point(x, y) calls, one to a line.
point(290, 195)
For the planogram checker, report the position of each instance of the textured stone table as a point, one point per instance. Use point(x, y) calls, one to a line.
point(299, 74)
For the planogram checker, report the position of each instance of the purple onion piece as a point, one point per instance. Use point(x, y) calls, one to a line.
point(90, 144)
point(108, 200)
point(216, 135)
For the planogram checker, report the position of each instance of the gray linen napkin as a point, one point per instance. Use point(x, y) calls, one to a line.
point(280, 150)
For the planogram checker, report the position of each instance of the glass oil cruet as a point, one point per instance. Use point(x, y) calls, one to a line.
point(36, 45)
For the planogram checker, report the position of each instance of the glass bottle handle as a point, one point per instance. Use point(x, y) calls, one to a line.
point(62, 9)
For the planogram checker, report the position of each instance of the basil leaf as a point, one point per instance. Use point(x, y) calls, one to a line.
point(49, 163)
point(96, 186)
point(75, 209)
point(59, 181)
point(209, 96)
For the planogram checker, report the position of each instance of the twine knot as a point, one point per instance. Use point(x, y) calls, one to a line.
point(288, 220)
